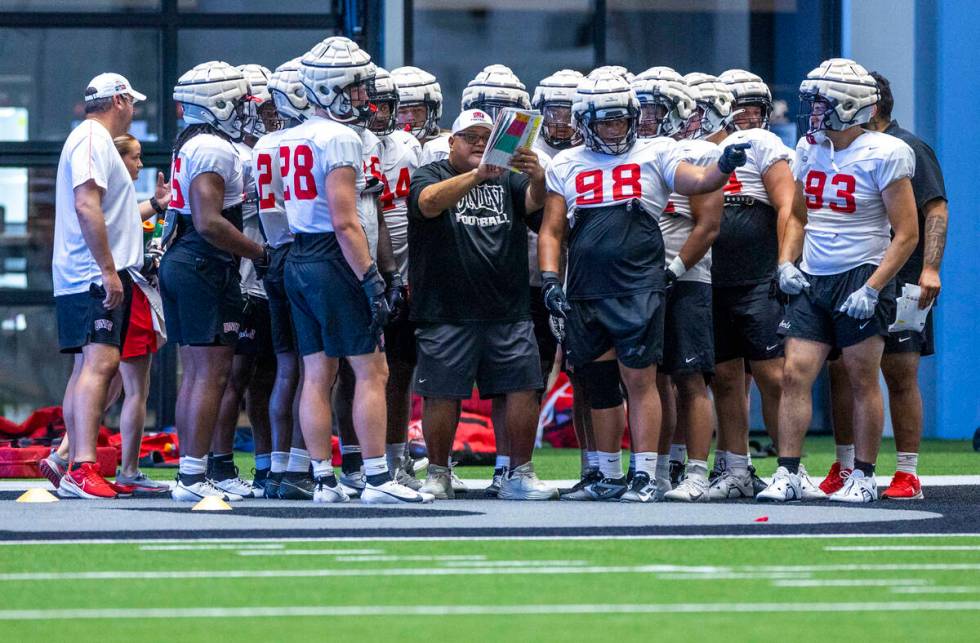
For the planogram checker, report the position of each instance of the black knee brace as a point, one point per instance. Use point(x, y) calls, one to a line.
point(601, 382)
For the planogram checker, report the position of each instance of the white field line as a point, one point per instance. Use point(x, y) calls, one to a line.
point(411, 558)
point(902, 548)
point(308, 552)
point(206, 547)
point(518, 563)
point(341, 539)
point(853, 582)
point(705, 572)
point(598, 610)
point(734, 576)
point(951, 589)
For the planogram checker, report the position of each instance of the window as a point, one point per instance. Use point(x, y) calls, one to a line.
point(80, 5)
point(238, 46)
point(249, 6)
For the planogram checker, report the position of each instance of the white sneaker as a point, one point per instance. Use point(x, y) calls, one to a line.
point(691, 489)
point(326, 489)
point(458, 485)
point(785, 487)
point(353, 483)
point(199, 491)
point(730, 485)
point(810, 489)
point(236, 486)
point(438, 483)
point(392, 493)
point(858, 489)
point(521, 483)
point(641, 489)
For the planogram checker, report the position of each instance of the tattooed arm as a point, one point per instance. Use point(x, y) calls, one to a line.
point(937, 216)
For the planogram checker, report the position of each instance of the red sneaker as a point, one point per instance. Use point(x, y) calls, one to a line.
point(835, 479)
point(122, 490)
point(52, 470)
point(904, 486)
point(85, 482)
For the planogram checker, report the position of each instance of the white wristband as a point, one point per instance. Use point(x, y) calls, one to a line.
point(677, 267)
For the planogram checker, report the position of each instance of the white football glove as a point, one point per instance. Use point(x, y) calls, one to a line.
point(791, 280)
point(861, 303)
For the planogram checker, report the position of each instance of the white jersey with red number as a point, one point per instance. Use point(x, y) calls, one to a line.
point(250, 282)
point(367, 204)
point(588, 179)
point(435, 150)
point(767, 149)
point(400, 158)
point(307, 154)
point(268, 184)
point(676, 223)
point(847, 224)
point(206, 153)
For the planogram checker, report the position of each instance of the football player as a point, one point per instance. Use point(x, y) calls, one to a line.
point(199, 278)
point(610, 192)
point(419, 102)
point(858, 193)
point(289, 476)
point(335, 289)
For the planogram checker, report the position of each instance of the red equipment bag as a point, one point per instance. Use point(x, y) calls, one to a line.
point(22, 462)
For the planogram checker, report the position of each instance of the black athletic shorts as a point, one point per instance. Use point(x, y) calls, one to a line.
point(330, 311)
point(633, 325)
point(400, 342)
point(547, 344)
point(202, 299)
point(280, 315)
point(907, 341)
point(746, 319)
point(255, 334)
point(815, 313)
point(82, 319)
point(501, 357)
point(689, 345)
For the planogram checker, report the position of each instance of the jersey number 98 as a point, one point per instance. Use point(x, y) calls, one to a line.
point(625, 185)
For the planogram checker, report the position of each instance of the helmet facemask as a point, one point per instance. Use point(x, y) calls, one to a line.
point(233, 126)
point(819, 114)
point(653, 118)
point(385, 118)
point(591, 121)
point(745, 119)
point(557, 129)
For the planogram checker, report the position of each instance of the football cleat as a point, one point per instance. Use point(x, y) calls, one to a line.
point(758, 484)
point(259, 476)
point(691, 489)
point(642, 488)
point(835, 479)
point(406, 479)
point(353, 482)
point(858, 489)
point(438, 483)
point(296, 485)
point(51, 469)
point(809, 488)
point(904, 486)
point(236, 486)
point(458, 485)
point(326, 489)
point(86, 482)
point(730, 486)
point(578, 491)
point(521, 483)
point(607, 489)
point(676, 473)
point(272, 484)
point(785, 487)
point(187, 491)
point(494, 488)
point(392, 493)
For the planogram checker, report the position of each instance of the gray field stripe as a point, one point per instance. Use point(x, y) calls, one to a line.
point(599, 610)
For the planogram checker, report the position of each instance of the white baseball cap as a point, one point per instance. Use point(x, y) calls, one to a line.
point(472, 118)
point(108, 85)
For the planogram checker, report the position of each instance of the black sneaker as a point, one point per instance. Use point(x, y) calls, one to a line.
point(676, 473)
point(259, 476)
point(757, 483)
point(577, 492)
point(607, 489)
point(296, 486)
point(271, 485)
point(714, 473)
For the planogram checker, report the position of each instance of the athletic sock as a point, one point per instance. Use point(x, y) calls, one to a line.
point(908, 462)
point(720, 459)
point(376, 471)
point(592, 457)
point(610, 464)
point(502, 462)
point(737, 464)
point(791, 464)
point(697, 469)
point(845, 456)
point(263, 461)
point(867, 468)
point(191, 470)
point(279, 461)
point(646, 462)
point(299, 461)
point(678, 452)
point(322, 468)
point(395, 454)
point(350, 458)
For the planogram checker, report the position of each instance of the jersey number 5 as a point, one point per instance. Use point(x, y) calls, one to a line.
point(625, 185)
point(296, 168)
point(177, 195)
point(845, 184)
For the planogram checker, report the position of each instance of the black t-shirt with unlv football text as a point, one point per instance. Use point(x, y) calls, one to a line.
point(469, 264)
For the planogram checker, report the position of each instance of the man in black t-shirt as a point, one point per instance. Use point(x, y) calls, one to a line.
point(467, 241)
point(900, 362)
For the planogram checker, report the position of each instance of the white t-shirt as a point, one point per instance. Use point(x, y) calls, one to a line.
point(435, 150)
point(767, 149)
point(268, 183)
point(400, 158)
point(847, 224)
point(367, 203)
point(676, 223)
point(250, 282)
point(89, 154)
point(319, 146)
point(206, 153)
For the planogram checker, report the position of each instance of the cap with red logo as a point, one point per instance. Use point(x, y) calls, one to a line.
point(108, 85)
point(472, 118)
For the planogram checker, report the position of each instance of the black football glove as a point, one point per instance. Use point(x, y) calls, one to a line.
point(151, 262)
point(733, 156)
point(396, 294)
point(556, 303)
point(261, 264)
point(374, 290)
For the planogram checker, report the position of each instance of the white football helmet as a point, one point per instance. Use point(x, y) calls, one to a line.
point(616, 70)
point(337, 75)
point(288, 92)
point(666, 102)
point(214, 93)
point(417, 87)
point(258, 94)
point(493, 89)
point(384, 94)
point(846, 90)
point(606, 98)
point(553, 97)
point(715, 99)
point(749, 90)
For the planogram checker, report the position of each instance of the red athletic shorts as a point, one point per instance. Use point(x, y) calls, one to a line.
point(141, 339)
